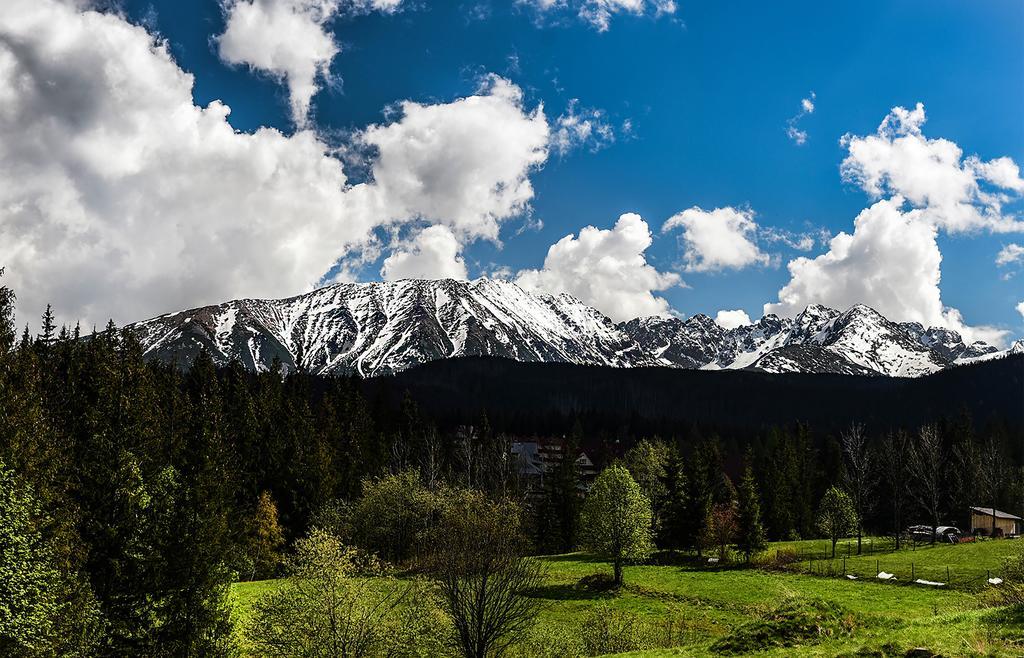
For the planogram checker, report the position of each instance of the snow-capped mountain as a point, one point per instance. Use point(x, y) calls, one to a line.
point(381, 328)
point(385, 327)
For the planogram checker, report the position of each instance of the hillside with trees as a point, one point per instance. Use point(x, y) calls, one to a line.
point(133, 493)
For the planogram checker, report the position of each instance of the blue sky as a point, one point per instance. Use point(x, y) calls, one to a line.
point(707, 92)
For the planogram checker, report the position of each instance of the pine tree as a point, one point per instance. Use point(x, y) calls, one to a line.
point(751, 537)
point(30, 584)
point(673, 528)
point(704, 486)
point(266, 538)
point(196, 545)
point(7, 329)
point(47, 328)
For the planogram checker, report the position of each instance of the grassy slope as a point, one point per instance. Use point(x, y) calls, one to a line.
point(704, 605)
point(968, 564)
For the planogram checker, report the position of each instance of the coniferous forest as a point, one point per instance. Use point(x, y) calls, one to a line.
point(133, 493)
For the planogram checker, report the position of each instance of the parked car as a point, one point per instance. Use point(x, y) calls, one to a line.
point(944, 533)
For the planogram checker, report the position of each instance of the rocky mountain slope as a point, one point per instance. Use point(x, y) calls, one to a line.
point(385, 327)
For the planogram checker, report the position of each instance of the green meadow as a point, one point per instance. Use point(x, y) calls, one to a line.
point(688, 608)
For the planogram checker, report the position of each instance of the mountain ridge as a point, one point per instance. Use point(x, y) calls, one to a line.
point(379, 328)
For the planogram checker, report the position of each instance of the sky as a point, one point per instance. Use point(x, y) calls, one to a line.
point(650, 157)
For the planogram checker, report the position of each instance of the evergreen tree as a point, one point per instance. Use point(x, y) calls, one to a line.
point(266, 538)
point(673, 528)
point(558, 511)
point(704, 486)
point(750, 532)
point(32, 589)
point(196, 546)
point(48, 329)
point(7, 329)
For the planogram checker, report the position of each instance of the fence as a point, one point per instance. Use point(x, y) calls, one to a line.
point(943, 569)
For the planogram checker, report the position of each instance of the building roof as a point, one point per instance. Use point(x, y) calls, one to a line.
point(987, 511)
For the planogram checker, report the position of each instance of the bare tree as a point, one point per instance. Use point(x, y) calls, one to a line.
point(965, 474)
point(476, 550)
point(858, 474)
point(431, 460)
point(927, 465)
point(991, 476)
point(895, 456)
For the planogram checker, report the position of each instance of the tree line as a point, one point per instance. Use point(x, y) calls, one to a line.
point(134, 492)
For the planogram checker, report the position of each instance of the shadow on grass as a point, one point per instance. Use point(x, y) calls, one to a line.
point(588, 588)
point(572, 557)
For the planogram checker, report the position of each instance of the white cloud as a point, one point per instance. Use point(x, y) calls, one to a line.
point(1010, 254)
point(607, 269)
point(465, 164)
point(581, 128)
point(799, 241)
point(1020, 309)
point(723, 238)
point(121, 198)
point(434, 254)
point(793, 131)
point(890, 262)
point(290, 40)
point(732, 319)
point(599, 13)
point(955, 194)
point(286, 38)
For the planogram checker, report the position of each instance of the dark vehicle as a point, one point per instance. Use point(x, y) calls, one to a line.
point(944, 533)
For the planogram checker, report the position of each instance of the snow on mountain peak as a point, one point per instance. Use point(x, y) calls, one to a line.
point(384, 327)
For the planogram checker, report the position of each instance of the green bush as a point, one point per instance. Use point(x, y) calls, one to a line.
point(554, 641)
point(612, 631)
point(795, 621)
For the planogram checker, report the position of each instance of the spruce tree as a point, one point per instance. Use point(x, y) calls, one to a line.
point(673, 527)
point(751, 537)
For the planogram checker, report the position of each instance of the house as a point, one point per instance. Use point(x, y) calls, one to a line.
point(535, 459)
point(1006, 524)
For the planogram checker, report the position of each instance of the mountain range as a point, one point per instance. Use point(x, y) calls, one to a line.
point(381, 328)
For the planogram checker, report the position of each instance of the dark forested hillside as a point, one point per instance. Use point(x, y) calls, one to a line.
point(543, 397)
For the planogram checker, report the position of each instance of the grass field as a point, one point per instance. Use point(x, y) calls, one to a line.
point(960, 566)
point(687, 608)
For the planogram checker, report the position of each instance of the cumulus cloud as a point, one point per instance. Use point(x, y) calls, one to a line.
point(465, 164)
point(1020, 309)
point(1010, 254)
point(599, 13)
point(793, 130)
point(435, 253)
point(290, 40)
point(732, 319)
point(723, 238)
point(954, 193)
point(119, 197)
point(890, 262)
point(581, 128)
point(607, 269)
